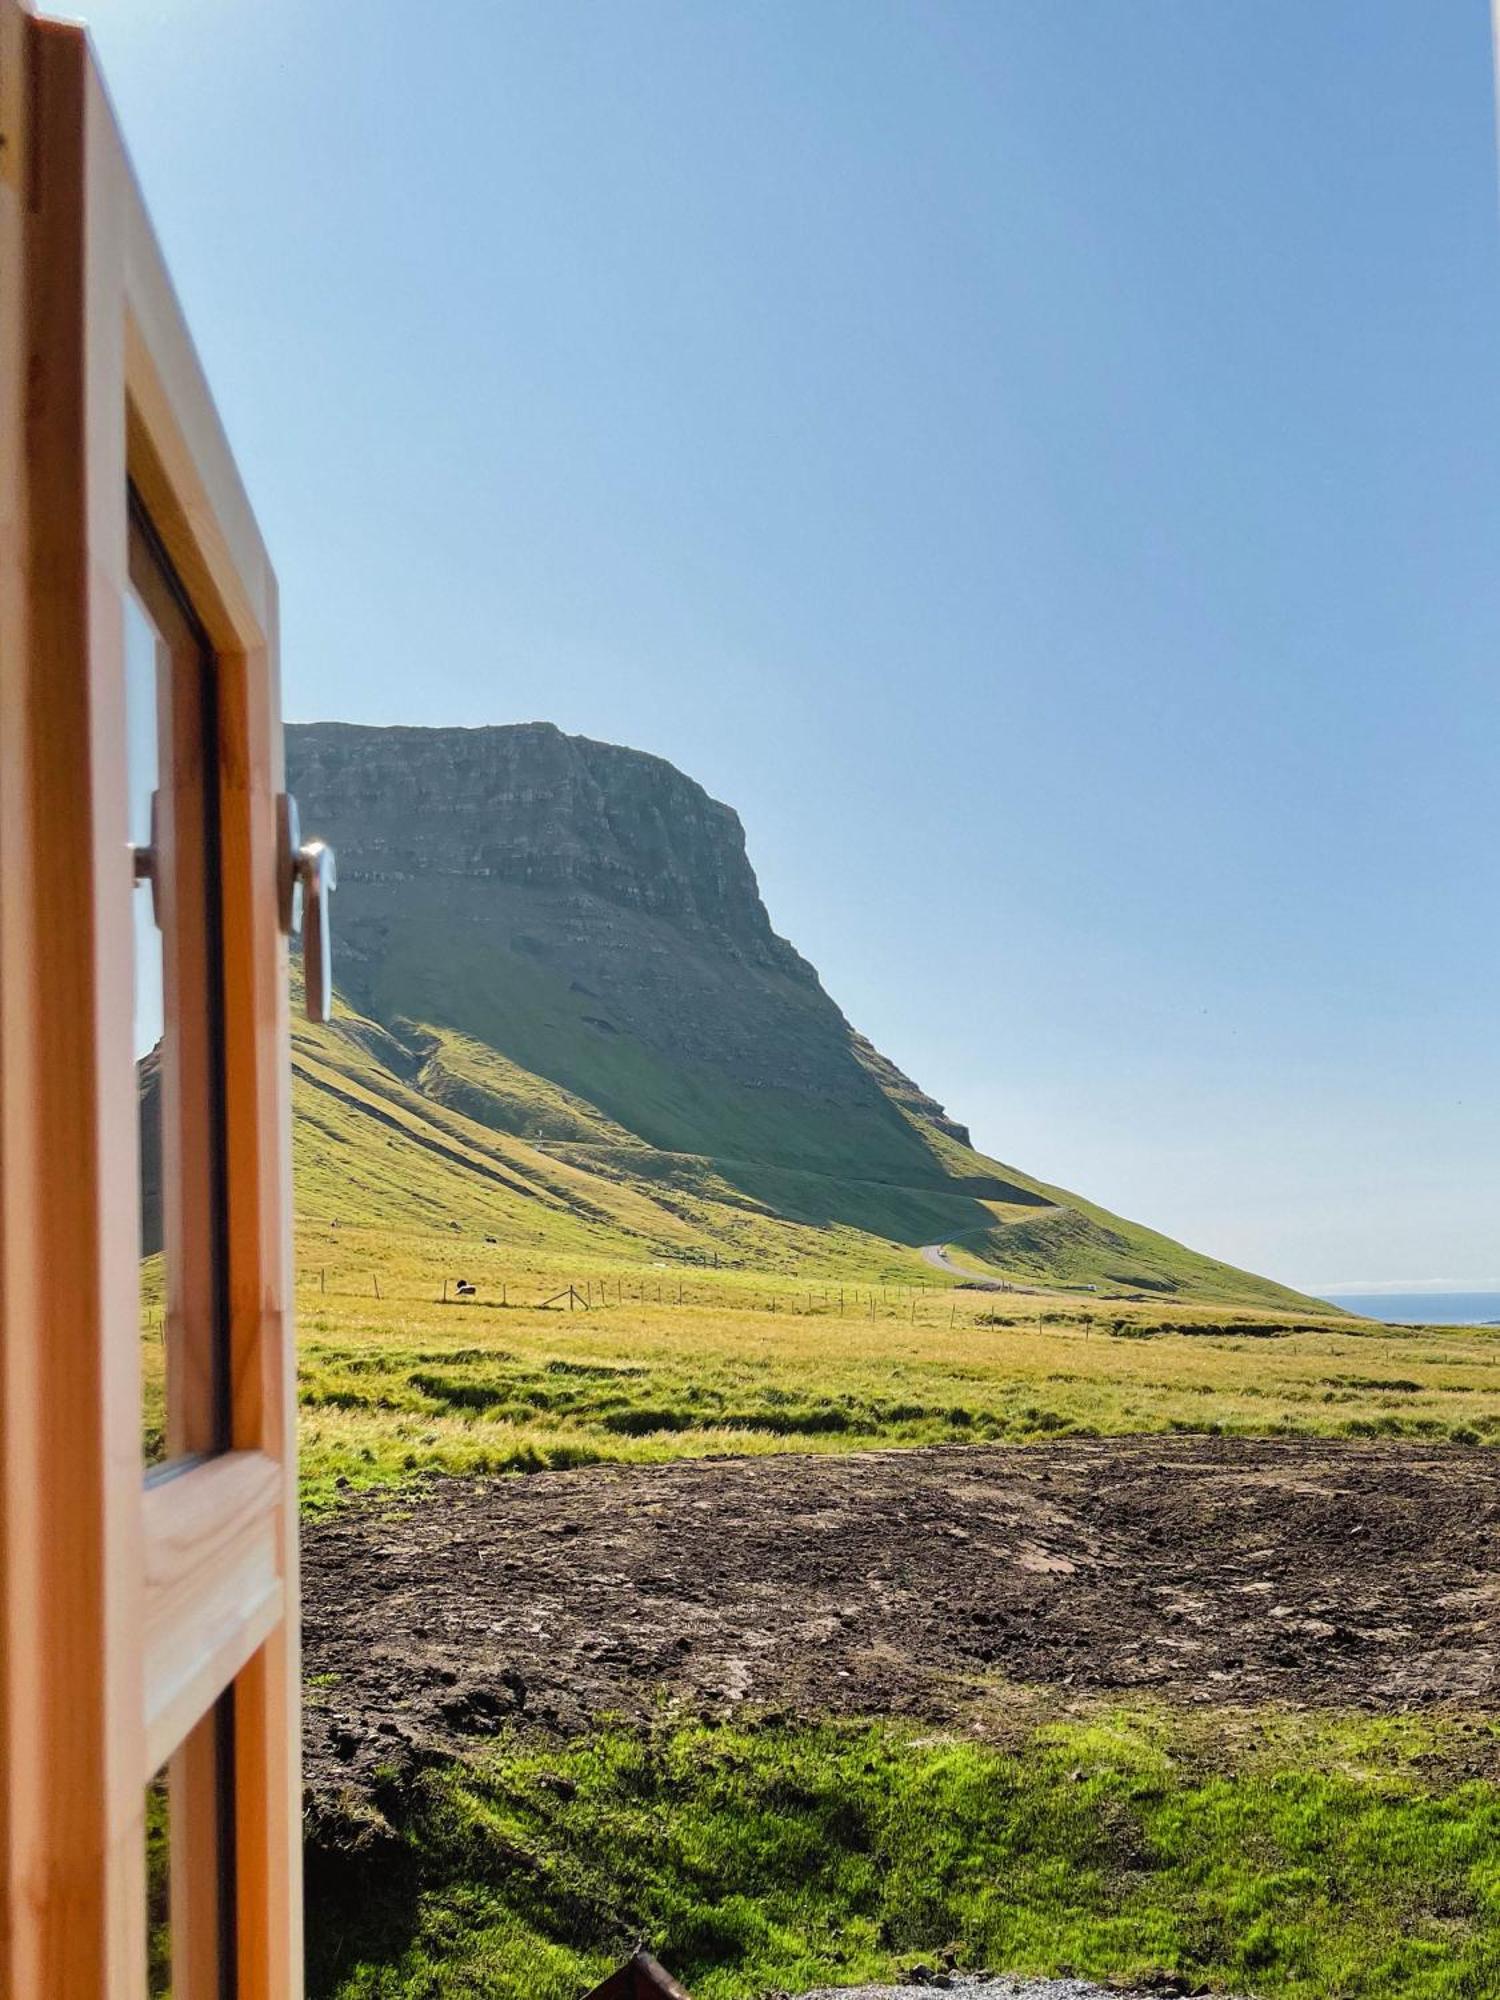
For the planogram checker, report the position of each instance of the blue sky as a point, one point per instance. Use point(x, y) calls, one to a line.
point(1038, 459)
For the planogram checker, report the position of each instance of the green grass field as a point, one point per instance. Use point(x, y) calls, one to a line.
point(1316, 1858)
point(668, 1363)
point(1296, 1855)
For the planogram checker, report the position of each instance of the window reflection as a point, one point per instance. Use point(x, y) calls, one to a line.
point(145, 675)
point(158, 1889)
point(173, 766)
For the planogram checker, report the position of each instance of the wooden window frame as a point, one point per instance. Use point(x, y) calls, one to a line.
point(126, 1610)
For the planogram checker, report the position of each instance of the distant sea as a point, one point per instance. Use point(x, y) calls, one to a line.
point(1431, 1308)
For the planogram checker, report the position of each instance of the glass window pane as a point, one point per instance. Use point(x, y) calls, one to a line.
point(143, 765)
point(171, 730)
point(190, 1929)
point(158, 1888)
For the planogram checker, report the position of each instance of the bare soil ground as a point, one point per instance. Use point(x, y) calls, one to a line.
point(1199, 1570)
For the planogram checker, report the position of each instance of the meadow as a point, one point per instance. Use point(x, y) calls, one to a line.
point(642, 1362)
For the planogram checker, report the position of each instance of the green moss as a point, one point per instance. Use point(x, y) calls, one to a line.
point(1289, 1856)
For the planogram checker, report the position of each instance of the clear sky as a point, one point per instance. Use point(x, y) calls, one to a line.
point(1038, 459)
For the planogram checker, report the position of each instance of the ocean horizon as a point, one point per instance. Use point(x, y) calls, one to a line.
point(1423, 1308)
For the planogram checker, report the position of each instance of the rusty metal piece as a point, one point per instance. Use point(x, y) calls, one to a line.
point(639, 1978)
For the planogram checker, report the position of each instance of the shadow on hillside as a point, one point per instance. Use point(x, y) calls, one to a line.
point(933, 1209)
point(689, 1047)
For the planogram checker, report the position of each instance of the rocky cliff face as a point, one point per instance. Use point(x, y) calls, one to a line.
point(592, 913)
point(528, 806)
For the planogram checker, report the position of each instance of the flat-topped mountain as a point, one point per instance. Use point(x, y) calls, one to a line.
point(592, 913)
point(526, 805)
point(561, 944)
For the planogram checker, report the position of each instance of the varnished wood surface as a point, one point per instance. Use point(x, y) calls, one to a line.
point(125, 1613)
point(213, 1588)
point(74, 1855)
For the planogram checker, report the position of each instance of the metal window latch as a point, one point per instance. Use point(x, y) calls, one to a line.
point(143, 864)
point(308, 880)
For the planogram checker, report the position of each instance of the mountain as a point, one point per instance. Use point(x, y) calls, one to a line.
point(565, 1017)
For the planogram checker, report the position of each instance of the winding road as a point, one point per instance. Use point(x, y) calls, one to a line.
point(936, 1254)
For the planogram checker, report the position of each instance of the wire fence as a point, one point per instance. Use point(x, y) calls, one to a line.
point(591, 1294)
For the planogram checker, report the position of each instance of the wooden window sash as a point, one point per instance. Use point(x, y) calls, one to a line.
point(128, 1611)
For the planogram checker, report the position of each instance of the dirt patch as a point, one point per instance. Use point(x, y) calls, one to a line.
point(1202, 1570)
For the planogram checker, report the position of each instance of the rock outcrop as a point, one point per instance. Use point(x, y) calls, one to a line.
point(525, 805)
point(592, 912)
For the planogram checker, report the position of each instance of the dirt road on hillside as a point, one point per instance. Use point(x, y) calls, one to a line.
point(936, 1254)
point(901, 1583)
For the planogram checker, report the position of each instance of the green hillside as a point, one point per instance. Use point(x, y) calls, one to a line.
point(427, 1129)
point(568, 1024)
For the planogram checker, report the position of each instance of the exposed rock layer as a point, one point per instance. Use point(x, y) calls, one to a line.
point(580, 906)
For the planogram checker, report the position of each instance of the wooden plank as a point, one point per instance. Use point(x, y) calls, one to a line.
point(213, 1588)
point(263, 1358)
point(18, 1390)
point(74, 1821)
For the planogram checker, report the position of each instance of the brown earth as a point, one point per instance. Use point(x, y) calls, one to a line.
point(1200, 1570)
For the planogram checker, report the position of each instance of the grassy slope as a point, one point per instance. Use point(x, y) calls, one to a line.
point(374, 1146)
point(508, 1000)
point(729, 1325)
point(1306, 1857)
point(438, 1128)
